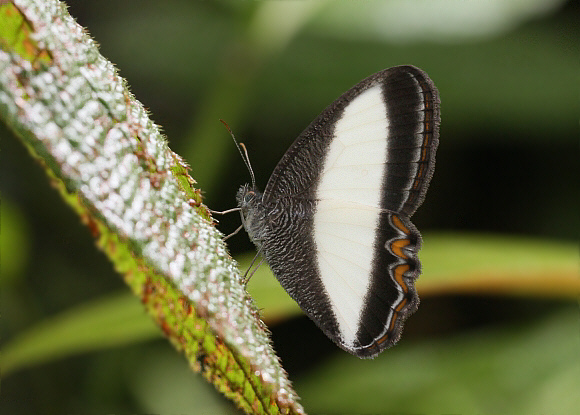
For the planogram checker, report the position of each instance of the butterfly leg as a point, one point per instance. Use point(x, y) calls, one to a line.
point(223, 212)
point(233, 233)
point(247, 277)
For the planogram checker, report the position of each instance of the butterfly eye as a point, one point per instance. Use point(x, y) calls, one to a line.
point(248, 197)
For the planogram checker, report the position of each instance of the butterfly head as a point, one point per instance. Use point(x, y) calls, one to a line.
point(252, 210)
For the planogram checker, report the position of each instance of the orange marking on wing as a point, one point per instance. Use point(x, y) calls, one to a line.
point(399, 272)
point(397, 247)
point(382, 339)
point(393, 321)
point(419, 176)
point(402, 305)
point(399, 224)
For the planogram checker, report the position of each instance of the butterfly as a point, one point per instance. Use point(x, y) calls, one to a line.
point(333, 221)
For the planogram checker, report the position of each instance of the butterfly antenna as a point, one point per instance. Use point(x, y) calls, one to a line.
point(247, 160)
point(243, 153)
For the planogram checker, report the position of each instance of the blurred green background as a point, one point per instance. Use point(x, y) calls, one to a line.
point(507, 167)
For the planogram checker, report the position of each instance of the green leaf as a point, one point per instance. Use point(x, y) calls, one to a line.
point(107, 322)
point(499, 264)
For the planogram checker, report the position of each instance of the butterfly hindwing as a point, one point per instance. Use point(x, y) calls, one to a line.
point(337, 234)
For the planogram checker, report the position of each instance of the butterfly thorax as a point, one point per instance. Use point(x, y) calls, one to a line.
point(253, 213)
